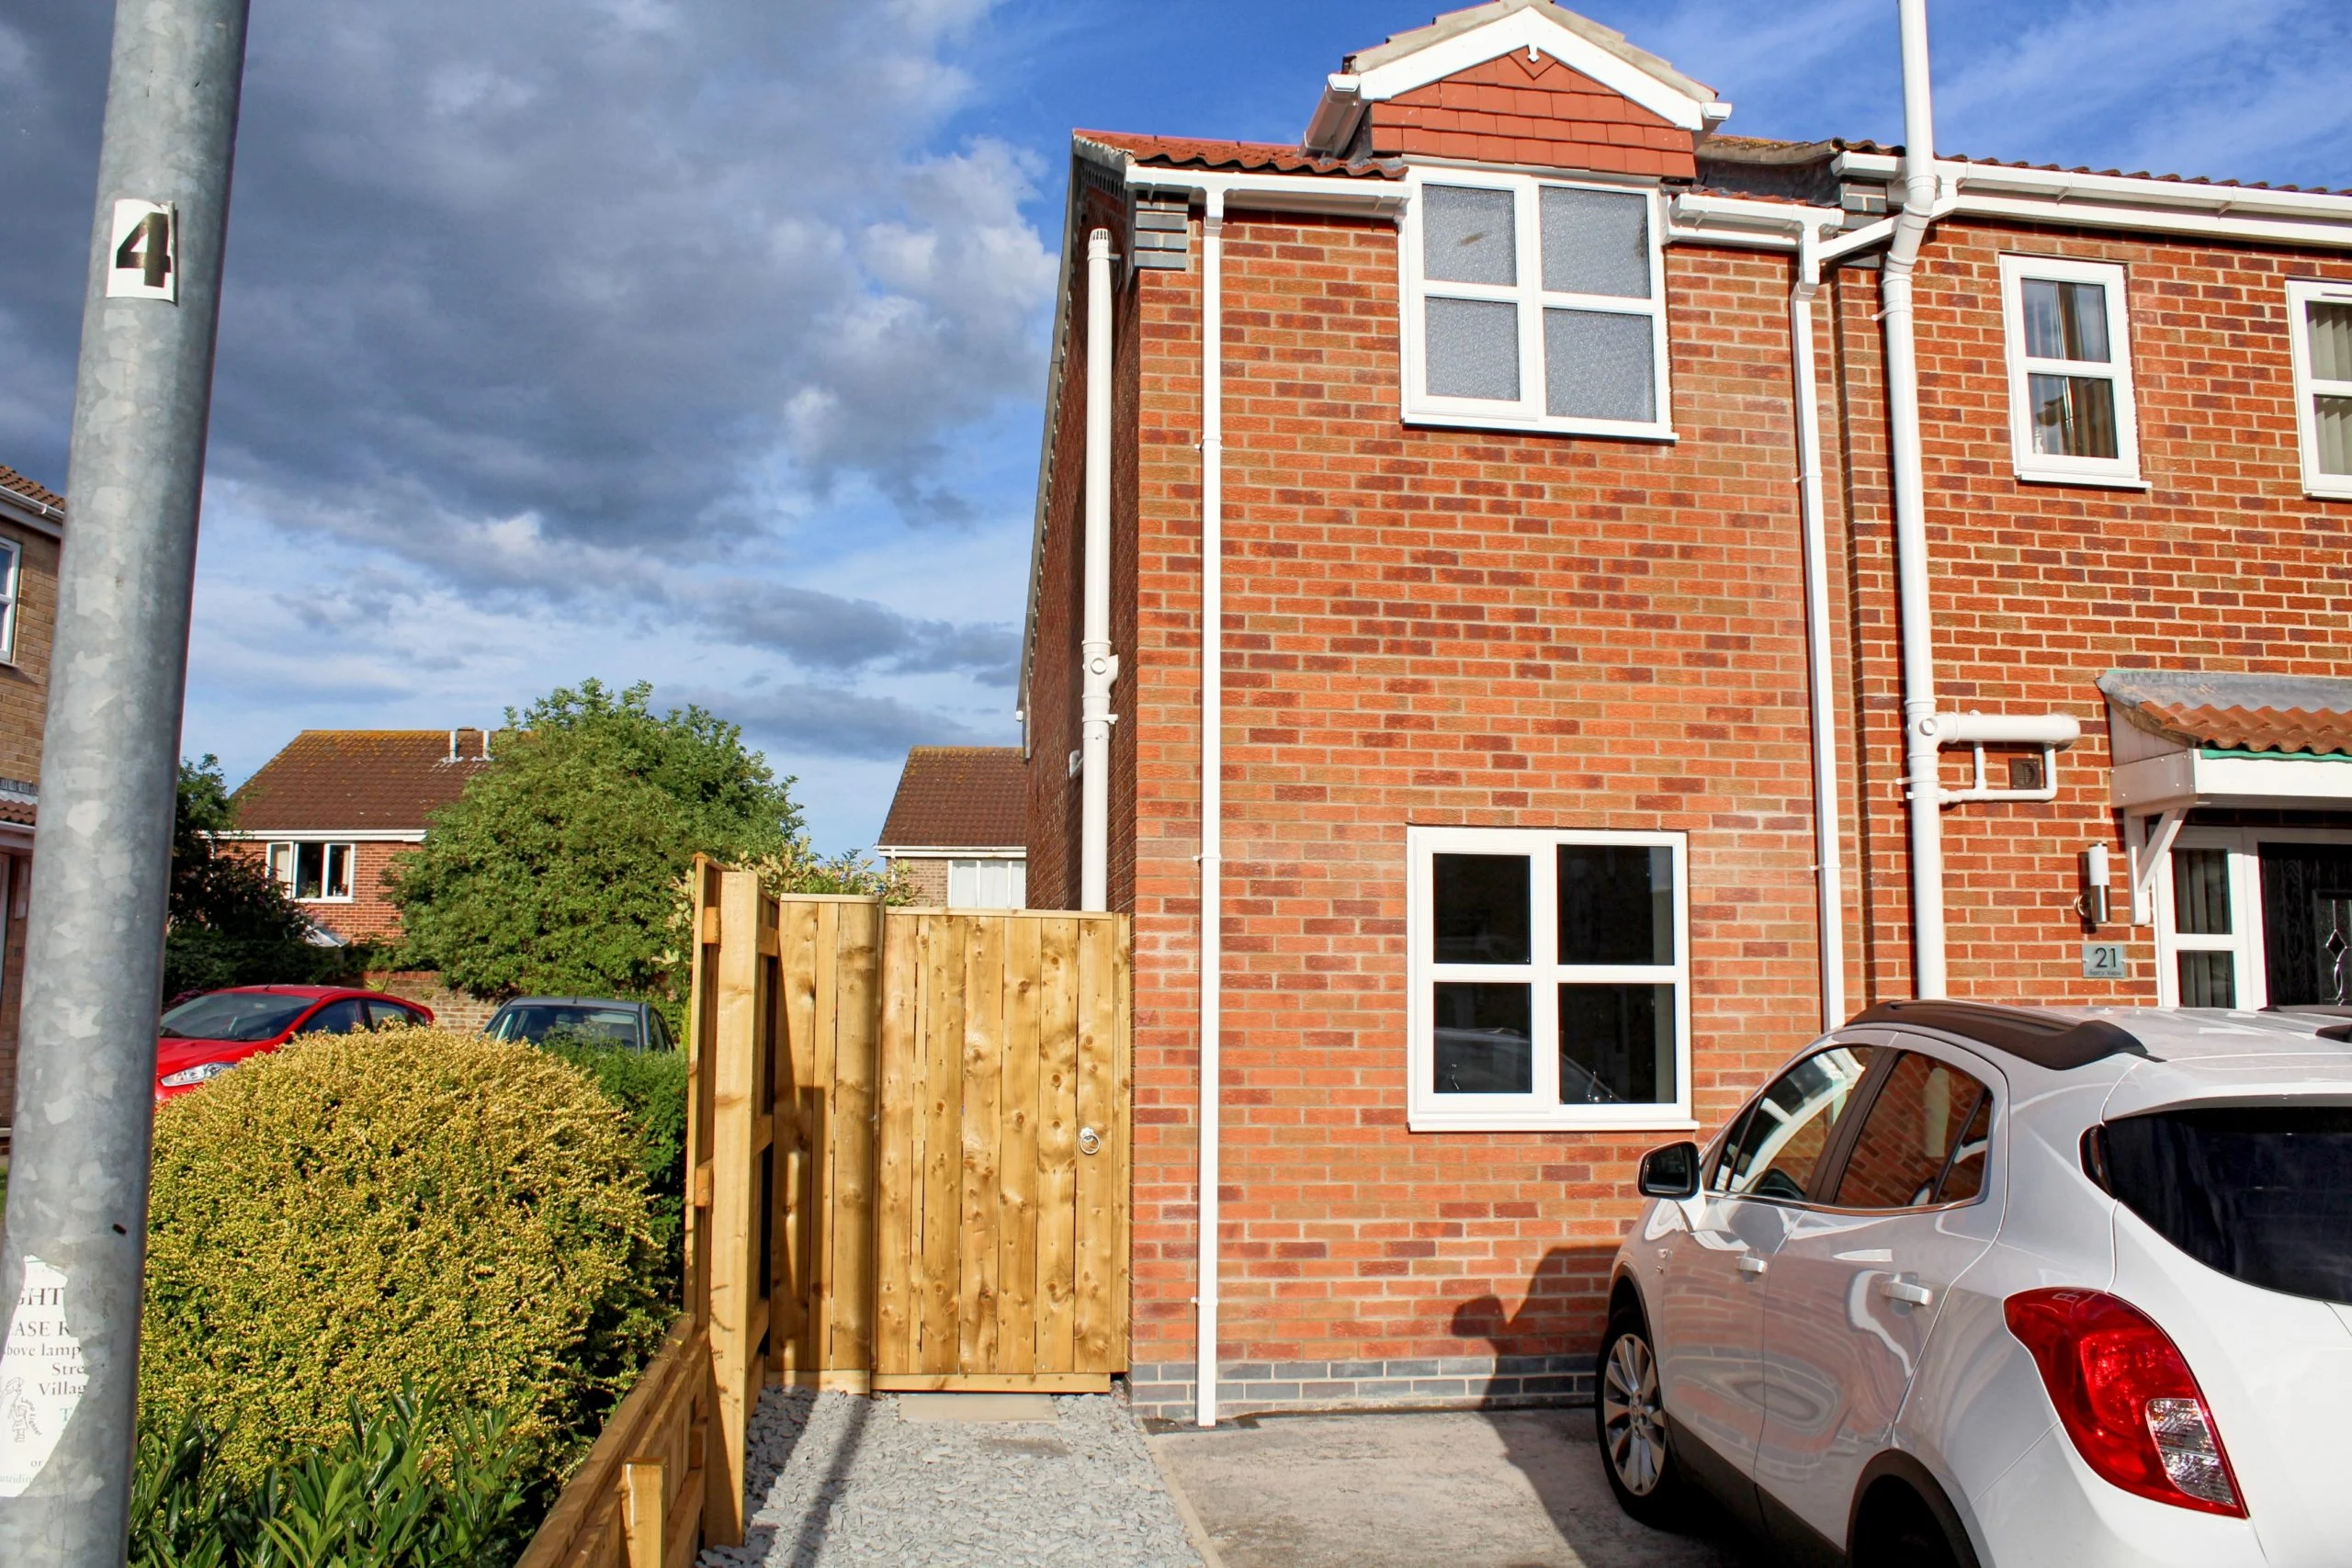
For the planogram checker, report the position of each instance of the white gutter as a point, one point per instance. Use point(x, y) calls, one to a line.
point(1098, 665)
point(1212, 791)
point(1921, 755)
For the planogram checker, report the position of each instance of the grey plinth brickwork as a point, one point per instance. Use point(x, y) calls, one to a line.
point(1164, 1389)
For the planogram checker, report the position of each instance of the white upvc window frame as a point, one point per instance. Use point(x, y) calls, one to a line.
point(287, 879)
point(966, 871)
point(2302, 294)
point(2245, 941)
point(1530, 298)
point(1539, 1110)
point(12, 579)
point(2122, 470)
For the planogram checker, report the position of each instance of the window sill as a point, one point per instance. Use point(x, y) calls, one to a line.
point(2087, 481)
point(1665, 1122)
point(1661, 434)
point(2316, 491)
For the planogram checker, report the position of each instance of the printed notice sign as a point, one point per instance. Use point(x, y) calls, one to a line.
point(41, 1378)
point(146, 263)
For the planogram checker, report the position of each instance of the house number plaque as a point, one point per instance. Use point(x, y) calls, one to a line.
point(2104, 961)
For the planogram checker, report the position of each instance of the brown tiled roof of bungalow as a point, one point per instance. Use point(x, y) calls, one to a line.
point(959, 797)
point(360, 780)
point(30, 488)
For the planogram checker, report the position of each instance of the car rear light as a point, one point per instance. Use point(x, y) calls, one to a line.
point(2126, 1397)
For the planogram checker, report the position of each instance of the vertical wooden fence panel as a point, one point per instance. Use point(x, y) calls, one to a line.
point(735, 1289)
point(1058, 1144)
point(1017, 1189)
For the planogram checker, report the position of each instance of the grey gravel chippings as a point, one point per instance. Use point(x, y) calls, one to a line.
point(847, 1480)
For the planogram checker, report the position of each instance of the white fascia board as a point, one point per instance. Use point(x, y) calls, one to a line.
point(40, 516)
point(1870, 165)
point(1694, 214)
point(1536, 33)
point(322, 835)
point(1346, 195)
point(2188, 778)
point(931, 852)
point(2332, 234)
point(1992, 179)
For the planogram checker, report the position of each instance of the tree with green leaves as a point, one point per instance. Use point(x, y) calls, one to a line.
point(231, 924)
point(556, 872)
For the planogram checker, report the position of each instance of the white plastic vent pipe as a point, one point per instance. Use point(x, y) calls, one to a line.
point(1099, 665)
point(1212, 783)
point(1922, 770)
point(1828, 874)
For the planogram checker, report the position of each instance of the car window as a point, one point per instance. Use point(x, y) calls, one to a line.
point(391, 1015)
point(2262, 1193)
point(661, 1041)
point(568, 1023)
point(1779, 1140)
point(1923, 1140)
point(233, 1015)
point(337, 1018)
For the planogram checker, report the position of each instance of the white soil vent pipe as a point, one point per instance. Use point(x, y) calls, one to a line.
point(1925, 731)
point(1099, 665)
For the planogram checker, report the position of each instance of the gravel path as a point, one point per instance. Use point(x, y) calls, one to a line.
point(848, 1480)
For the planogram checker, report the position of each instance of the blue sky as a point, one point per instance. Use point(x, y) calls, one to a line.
point(701, 341)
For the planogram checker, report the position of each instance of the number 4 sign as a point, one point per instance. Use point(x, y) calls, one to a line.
point(146, 252)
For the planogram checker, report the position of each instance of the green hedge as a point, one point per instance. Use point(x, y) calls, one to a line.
point(650, 1088)
point(359, 1215)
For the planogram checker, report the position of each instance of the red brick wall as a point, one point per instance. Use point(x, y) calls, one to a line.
point(2039, 588)
point(371, 914)
point(1512, 110)
point(1435, 627)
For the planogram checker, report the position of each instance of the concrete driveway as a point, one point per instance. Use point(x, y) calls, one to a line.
point(1455, 1489)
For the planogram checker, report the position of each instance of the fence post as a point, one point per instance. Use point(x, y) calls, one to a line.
point(732, 1062)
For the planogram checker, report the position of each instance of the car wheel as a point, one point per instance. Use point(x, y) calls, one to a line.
point(1630, 1418)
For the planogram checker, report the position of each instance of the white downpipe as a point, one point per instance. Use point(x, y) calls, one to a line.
point(1212, 782)
point(1922, 782)
point(1828, 874)
point(1098, 664)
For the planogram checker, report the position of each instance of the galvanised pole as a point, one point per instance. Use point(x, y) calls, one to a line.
point(84, 1111)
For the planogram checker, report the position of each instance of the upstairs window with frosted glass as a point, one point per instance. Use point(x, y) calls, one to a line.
point(2071, 415)
point(2320, 316)
point(1534, 305)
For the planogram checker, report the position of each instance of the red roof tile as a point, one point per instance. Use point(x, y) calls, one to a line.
point(2237, 712)
point(11, 479)
point(371, 780)
point(1246, 157)
point(959, 797)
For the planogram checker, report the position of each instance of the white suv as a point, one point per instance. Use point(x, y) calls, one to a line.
point(1983, 1285)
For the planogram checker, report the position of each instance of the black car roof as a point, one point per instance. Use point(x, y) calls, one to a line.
point(2042, 1039)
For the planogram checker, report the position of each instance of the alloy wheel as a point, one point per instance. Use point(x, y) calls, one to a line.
point(1632, 1420)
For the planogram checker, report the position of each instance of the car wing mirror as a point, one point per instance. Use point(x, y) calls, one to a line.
point(1670, 1172)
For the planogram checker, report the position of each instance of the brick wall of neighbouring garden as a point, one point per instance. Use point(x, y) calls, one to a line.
point(451, 1009)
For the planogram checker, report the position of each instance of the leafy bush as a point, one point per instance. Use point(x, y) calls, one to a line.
point(411, 1483)
point(231, 924)
point(553, 872)
point(358, 1214)
point(650, 1088)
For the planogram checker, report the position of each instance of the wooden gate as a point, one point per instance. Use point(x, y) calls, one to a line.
point(1002, 1218)
point(910, 1144)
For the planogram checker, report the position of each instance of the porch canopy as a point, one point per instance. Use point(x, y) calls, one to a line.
point(2184, 738)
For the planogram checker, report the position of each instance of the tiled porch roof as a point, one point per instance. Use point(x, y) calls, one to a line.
point(2237, 712)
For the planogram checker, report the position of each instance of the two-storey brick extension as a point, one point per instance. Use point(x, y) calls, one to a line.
point(32, 527)
point(330, 811)
point(1556, 482)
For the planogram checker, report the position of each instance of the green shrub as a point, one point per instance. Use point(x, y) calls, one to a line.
point(650, 1088)
point(412, 1483)
point(358, 1214)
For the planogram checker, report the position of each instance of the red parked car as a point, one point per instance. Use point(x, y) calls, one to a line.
point(205, 1037)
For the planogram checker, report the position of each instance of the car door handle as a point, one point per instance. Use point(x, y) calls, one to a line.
point(1904, 1291)
point(1751, 1264)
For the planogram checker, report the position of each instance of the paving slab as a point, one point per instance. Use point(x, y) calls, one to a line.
point(1463, 1489)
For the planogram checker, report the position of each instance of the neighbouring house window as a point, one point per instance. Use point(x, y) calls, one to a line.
point(12, 563)
point(988, 884)
point(1533, 305)
point(2071, 409)
point(312, 872)
point(1550, 979)
point(2320, 319)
